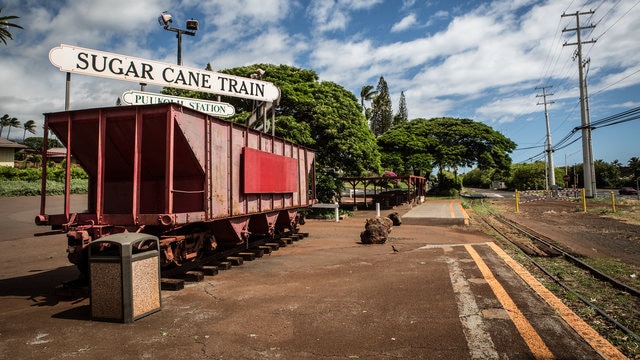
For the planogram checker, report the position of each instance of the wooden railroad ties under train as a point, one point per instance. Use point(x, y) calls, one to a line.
point(174, 280)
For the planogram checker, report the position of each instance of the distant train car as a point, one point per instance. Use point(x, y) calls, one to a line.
point(197, 182)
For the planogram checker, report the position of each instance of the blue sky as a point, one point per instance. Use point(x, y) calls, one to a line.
point(470, 59)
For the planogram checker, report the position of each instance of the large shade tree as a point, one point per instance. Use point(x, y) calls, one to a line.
point(446, 143)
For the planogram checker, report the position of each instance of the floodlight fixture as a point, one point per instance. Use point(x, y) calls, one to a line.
point(192, 24)
point(165, 19)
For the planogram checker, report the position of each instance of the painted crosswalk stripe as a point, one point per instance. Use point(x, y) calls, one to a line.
point(478, 339)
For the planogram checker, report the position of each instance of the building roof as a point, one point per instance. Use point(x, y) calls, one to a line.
point(57, 152)
point(4, 143)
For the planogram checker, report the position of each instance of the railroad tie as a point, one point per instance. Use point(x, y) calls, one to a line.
point(171, 284)
point(193, 276)
point(209, 270)
point(235, 260)
point(247, 256)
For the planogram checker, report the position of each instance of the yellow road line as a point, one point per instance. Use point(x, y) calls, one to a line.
point(538, 348)
point(597, 342)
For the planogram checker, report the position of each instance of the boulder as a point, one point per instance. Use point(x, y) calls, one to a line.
point(376, 230)
point(395, 218)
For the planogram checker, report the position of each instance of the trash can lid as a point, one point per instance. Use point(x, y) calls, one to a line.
point(134, 241)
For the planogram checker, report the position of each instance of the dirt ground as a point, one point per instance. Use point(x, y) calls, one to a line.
point(598, 233)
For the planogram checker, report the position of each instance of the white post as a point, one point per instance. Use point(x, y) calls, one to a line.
point(378, 209)
point(337, 213)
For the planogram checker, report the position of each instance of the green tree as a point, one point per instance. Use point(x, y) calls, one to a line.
point(403, 114)
point(382, 112)
point(4, 122)
point(528, 176)
point(607, 175)
point(343, 139)
point(479, 178)
point(366, 94)
point(12, 123)
point(634, 165)
point(30, 126)
point(422, 144)
point(35, 143)
point(4, 25)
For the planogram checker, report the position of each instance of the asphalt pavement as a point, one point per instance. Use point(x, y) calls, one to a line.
point(447, 292)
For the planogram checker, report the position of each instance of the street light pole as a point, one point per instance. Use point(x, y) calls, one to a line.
point(166, 19)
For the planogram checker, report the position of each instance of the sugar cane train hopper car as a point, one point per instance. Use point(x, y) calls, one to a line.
point(201, 184)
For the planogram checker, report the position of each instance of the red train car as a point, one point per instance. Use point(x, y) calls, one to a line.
point(195, 181)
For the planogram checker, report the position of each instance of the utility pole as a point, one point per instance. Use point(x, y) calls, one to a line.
point(587, 152)
point(551, 174)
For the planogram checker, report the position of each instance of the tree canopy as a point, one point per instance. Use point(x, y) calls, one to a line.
point(319, 114)
point(420, 145)
point(403, 114)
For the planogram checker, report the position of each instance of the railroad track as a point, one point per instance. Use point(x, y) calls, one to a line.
point(615, 301)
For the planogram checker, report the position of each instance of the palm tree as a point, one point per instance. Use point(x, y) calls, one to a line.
point(4, 121)
point(4, 24)
point(29, 126)
point(13, 122)
point(366, 94)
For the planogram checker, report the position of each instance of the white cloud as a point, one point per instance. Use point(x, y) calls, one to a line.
point(332, 15)
point(406, 22)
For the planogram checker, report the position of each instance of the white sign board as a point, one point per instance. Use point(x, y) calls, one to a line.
point(215, 108)
point(79, 60)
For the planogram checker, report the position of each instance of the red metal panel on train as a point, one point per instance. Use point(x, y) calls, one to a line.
point(267, 173)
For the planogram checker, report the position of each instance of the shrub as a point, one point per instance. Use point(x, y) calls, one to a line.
point(54, 172)
point(31, 188)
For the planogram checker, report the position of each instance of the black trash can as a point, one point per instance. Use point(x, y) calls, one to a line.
point(124, 271)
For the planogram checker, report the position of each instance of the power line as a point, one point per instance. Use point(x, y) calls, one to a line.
point(566, 141)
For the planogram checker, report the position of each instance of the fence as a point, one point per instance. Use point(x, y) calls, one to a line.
point(527, 196)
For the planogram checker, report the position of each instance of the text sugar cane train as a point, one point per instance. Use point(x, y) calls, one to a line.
point(198, 183)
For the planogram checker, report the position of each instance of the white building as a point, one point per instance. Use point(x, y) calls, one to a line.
point(8, 151)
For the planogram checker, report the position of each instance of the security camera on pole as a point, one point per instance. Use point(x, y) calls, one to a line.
point(165, 19)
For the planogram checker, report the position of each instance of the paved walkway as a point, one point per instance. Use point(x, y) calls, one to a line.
point(437, 212)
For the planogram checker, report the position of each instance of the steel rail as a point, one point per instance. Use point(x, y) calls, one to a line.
point(559, 282)
point(595, 272)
